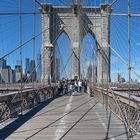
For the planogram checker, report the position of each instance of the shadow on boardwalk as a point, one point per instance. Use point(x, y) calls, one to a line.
point(10, 128)
point(108, 137)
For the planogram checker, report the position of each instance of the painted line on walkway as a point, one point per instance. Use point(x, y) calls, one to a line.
point(62, 124)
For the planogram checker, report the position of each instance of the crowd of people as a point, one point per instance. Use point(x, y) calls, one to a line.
point(71, 87)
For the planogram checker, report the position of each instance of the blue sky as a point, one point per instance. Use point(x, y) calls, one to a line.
point(119, 38)
point(9, 34)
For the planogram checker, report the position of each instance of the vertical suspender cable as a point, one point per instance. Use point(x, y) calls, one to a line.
point(107, 51)
point(34, 45)
point(54, 49)
point(79, 39)
point(129, 65)
point(104, 102)
point(20, 24)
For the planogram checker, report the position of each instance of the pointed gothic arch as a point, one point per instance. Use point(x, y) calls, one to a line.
point(75, 24)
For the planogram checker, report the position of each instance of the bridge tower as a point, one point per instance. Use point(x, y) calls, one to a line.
point(74, 21)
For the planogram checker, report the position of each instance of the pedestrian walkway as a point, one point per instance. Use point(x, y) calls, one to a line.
point(70, 118)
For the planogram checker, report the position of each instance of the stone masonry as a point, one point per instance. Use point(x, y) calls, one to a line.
point(74, 21)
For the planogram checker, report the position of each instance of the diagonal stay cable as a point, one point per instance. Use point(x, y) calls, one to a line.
point(15, 49)
point(43, 56)
point(61, 60)
point(96, 35)
point(117, 55)
point(67, 63)
point(25, 81)
point(68, 59)
point(73, 50)
point(38, 3)
point(93, 53)
point(54, 41)
point(64, 2)
point(64, 66)
point(39, 62)
point(92, 47)
point(124, 60)
point(111, 4)
point(100, 47)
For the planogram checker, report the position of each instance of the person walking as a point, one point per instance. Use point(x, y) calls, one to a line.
point(66, 88)
point(80, 85)
point(85, 86)
point(76, 86)
point(71, 90)
point(61, 88)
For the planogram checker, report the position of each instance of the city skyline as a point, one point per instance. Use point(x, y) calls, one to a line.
point(10, 36)
point(13, 75)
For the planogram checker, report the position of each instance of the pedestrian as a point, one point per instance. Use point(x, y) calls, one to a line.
point(71, 88)
point(66, 88)
point(61, 88)
point(85, 86)
point(76, 86)
point(58, 88)
point(80, 85)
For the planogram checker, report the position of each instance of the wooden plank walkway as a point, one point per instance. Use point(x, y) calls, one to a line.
point(68, 117)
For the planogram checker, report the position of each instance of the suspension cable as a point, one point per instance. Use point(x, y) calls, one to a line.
point(15, 49)
point(21, 67)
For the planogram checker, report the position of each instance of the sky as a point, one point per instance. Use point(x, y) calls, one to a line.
point(119, 38)
point(9, 35)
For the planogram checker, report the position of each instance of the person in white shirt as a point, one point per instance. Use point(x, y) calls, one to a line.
point(80, 85)
point(71, 88)
point(76, 86)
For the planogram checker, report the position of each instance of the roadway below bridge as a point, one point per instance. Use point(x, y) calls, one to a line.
point(78, 117)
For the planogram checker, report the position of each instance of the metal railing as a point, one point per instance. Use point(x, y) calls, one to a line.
point(118, 103)
point(12, 104)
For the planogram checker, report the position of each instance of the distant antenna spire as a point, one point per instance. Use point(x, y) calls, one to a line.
point(18, 62)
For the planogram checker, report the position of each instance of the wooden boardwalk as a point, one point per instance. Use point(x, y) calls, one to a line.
point(67, 117)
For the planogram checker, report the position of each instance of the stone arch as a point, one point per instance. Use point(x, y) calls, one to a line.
point(103, 62)
point(74, 24)
point(64, 38)
point(93, 67)
point(103, 59)
point(88, 31)
point(66, 31)
point(93, 36)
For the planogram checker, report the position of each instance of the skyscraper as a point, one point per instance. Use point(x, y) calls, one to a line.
point(2, 63)
point(27, 65)
point(33, 70)
point(39, 67)
point(17, 73)
point(6, 73)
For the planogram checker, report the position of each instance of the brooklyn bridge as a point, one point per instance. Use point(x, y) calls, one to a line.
point(70, 69)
